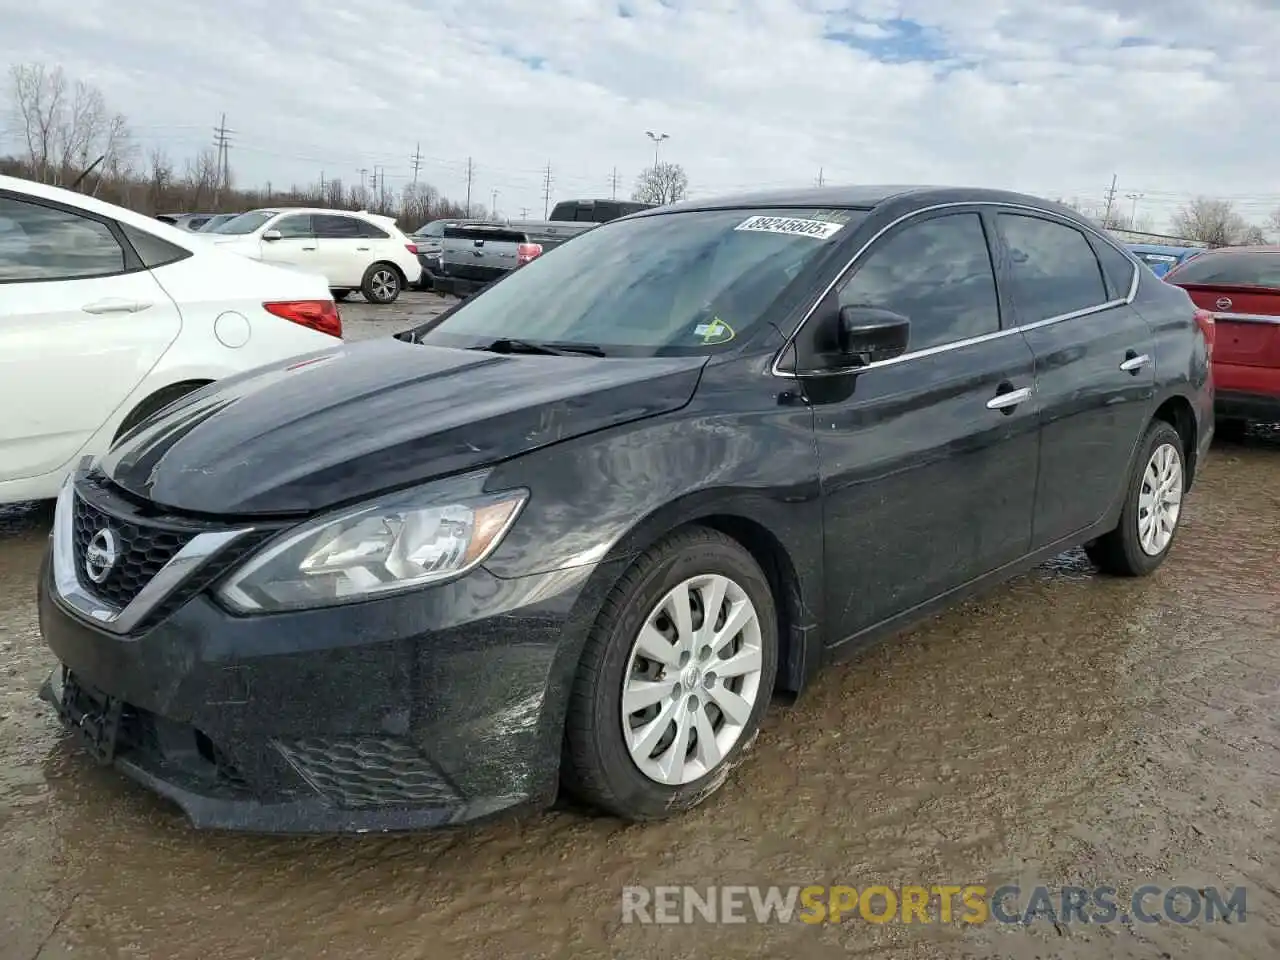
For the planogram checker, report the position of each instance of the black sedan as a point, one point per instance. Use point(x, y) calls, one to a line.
point(580, 528)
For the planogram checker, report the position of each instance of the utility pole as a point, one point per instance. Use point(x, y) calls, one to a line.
point(546, 191)
point(820, 181)
point(363, 180)
point(1133, 211)
point(471, 174)
point(657, 139)
point(1111, 199)
point(322, 193)
point(524, 213)
point(222, 140)
point(416, 160)
point(493, 205)
point(613, 181)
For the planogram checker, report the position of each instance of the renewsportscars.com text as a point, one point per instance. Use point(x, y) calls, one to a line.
point(939, 903)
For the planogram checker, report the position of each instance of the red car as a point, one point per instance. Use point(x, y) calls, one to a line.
point(1241, 287)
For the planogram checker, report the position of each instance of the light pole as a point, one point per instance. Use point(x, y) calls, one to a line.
point(657, 139)
point(1133, 211)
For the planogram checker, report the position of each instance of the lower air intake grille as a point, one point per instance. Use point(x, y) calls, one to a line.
point(363, 772)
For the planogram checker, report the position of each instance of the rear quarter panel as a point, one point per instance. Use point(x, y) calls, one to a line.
point(1183, 366)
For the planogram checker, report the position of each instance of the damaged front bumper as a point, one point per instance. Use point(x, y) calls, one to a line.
point(410, 712)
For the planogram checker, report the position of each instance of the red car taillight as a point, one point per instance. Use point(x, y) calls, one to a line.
point(412, 248)
point(526, 252)
point(321, 315)
point(1207, 325)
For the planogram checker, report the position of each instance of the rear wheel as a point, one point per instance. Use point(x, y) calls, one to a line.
point(1149, 522)
point(674, 680)
point(381, 283)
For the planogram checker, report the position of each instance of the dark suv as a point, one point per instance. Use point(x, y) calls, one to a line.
point(581, 527)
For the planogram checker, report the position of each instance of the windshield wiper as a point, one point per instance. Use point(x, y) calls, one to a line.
point(511, 345)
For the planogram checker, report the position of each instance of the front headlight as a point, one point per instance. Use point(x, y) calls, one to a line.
point(393, 544)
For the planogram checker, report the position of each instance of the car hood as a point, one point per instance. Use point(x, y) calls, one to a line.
point(348, 423)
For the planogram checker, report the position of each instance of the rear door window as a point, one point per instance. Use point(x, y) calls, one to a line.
point(1117, 269)
point(46, 243)
point(1052, 268)
point(328, 227)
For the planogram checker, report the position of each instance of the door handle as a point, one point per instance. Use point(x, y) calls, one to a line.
point(114, 305)
point(1133, 362)
point(1006, 401)
point(308, 248)
point(362, 248)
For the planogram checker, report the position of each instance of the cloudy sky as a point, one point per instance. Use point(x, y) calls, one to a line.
point(1176, 97)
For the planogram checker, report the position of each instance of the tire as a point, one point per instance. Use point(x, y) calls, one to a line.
point(597, 765)
point(382, 283)
point(155, 403)
point(1122, 552)
point(340, 295)
point(1231, 429)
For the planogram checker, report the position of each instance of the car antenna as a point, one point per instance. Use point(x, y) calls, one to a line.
point(88, 170)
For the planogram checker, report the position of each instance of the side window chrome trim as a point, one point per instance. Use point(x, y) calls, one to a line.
point(980, 204)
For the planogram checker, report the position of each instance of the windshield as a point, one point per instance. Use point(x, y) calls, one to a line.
point(245, 223)
point(674, 284)
point(1233, 269)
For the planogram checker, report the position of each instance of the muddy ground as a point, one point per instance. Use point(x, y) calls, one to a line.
point(1065, 729)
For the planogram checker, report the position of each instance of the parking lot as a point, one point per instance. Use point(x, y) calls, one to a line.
point(1064, 729)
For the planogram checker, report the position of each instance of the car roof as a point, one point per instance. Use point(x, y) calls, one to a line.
point(1169, 249)
point(864, 196)
point(1249, 248)
point(42, 191)
point(325, 210)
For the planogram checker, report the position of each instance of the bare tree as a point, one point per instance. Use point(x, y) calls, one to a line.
point(1215, 222)
point(66, 128)
point(1253, 235)
point(1273, 222)
point(202, 177)
point(38, 103)
point(160, 179)
point(662, 183)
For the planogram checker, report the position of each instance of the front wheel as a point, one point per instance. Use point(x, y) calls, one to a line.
point(674, 680)
point(381, 283)
point(1152, 509)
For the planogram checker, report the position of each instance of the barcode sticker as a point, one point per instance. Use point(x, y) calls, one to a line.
point(792, 226)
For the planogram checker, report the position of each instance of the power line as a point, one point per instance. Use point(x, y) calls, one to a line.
point(1111, 199)
point(470, 177)
point(546, 191)
point(222, 140)
point(416, 161)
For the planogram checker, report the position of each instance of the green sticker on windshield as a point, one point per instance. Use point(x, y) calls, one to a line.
point(717, 331)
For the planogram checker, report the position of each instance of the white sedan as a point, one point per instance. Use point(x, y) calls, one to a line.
point(352, 251)
point(106, 316)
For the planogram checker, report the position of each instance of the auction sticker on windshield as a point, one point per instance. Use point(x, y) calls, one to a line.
point(791, 226)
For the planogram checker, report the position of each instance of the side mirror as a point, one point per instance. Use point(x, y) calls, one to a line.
point(869, 334)
point(271, 235)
